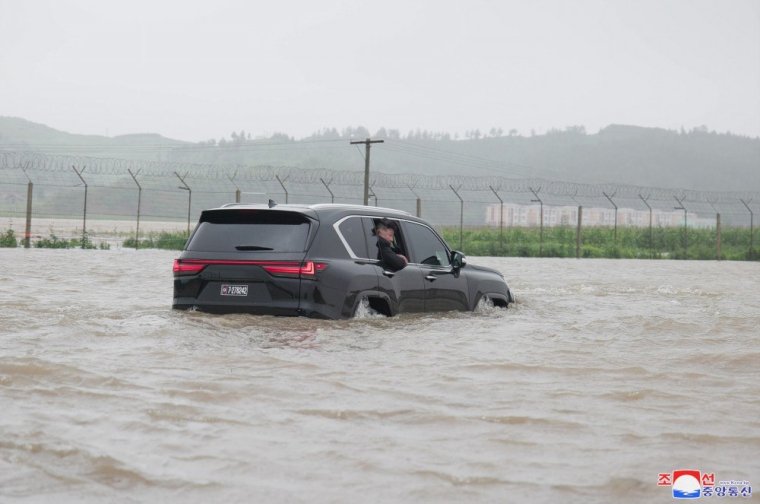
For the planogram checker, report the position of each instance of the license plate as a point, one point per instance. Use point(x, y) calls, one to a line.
point(234, 290)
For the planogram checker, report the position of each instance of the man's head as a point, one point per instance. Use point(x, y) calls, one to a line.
point(385, 229)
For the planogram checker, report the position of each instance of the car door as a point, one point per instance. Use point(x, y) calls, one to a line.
point(405, 288)
point(358, 274)
point(445, 287)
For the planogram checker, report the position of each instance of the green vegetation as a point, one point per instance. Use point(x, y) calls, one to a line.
point(59, 243)
point(163, 240)
point(597, 242)
point(8, 239)
point(631, 243)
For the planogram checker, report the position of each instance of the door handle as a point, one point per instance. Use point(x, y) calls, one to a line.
point(432, 278)
point(389, 274)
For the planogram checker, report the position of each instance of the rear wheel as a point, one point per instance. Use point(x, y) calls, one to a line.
point(370, 306)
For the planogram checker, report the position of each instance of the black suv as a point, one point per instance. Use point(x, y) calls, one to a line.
point(322, 261)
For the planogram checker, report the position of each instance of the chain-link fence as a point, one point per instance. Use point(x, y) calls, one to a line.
point(39, 193)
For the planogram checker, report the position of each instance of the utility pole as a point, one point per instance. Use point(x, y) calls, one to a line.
point(367, 144)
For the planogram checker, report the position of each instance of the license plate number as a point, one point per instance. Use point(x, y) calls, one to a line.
point(234, 290)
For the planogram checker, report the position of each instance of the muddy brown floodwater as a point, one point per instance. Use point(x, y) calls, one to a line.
point(603, 375)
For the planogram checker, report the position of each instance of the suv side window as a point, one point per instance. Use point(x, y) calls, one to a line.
point(353, 232)
point(427, 248)
point(398, 240)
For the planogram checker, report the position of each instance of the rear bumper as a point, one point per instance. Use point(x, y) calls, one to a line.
point(311, 310)
point(285, 310)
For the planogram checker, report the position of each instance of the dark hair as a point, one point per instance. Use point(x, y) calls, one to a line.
point(385, 224)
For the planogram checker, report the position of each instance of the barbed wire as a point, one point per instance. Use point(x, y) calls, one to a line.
point(32, 163)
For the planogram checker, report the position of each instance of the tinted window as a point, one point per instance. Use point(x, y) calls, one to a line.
point(353, 232)
point(425, 245)
point(250, 230)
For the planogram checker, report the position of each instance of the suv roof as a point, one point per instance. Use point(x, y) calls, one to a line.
point(320, 208)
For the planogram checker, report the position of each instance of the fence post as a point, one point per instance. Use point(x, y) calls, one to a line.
point(614, 235)
point(685, 225)
point(578, 233)
point(651, 240)
point(28, 229)
point(237, 189)
point(501, 218)
point(541, 232)
point(419, 201)
point(461, 215)
point(751, 228)
point(84, 216)
point(139, 201)
point(282, 184)
point(371, 192)
point(29, 192)
point(327, 186)
point(186, 187)
point(717, 230)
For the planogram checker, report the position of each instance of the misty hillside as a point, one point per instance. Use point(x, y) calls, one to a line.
point(695, 159)
point(20, 134)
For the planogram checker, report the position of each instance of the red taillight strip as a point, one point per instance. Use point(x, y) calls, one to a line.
point(307, 269)
point(187, 267)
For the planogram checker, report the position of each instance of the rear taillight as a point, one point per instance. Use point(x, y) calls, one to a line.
point(188, 268)
point(308, 269)
point(293, 269)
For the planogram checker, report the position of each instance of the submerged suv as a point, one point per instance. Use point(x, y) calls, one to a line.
point(322, 261)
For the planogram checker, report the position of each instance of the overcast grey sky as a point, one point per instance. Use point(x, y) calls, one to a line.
point(197, 70)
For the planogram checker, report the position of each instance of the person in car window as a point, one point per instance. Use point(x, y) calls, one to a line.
point(388, 253)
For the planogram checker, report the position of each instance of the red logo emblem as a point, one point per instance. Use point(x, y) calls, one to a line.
point(664, 479)
point(708, 479)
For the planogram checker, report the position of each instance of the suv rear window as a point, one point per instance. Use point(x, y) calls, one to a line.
point(250, 230)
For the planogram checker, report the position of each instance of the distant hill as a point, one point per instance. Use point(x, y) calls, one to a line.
point(696, 159)
point(20, 134)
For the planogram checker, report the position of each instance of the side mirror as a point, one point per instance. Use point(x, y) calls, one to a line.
point(458, 260)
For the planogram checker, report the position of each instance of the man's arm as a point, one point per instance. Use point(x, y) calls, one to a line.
point(389, 258)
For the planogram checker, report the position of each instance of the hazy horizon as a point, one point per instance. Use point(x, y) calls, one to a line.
point(194, 71)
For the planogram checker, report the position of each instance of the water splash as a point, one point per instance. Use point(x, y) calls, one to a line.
point(486, 306)
point(365, 311)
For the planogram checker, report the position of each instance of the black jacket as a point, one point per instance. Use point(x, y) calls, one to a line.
point(388, 256)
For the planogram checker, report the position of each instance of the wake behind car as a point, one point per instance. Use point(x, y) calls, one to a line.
point(322, 261)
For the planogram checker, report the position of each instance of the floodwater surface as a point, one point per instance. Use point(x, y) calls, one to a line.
point(603, 375)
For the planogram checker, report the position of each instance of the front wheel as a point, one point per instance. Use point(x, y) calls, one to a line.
point(488, 304)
